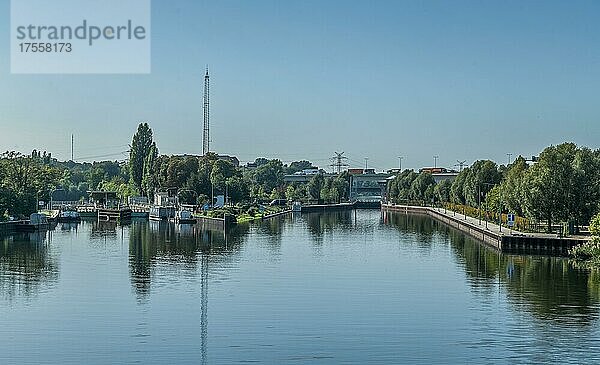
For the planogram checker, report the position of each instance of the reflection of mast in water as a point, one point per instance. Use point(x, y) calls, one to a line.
point(204, 303)
point(204, 297)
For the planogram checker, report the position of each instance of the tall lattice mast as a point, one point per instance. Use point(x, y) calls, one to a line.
point(206, 128)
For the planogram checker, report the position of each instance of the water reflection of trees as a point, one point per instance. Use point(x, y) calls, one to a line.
point(422, 228)
point(548, 286)
point(321, 224)
point(272, 229)
point(175, 250)
point(25, 264)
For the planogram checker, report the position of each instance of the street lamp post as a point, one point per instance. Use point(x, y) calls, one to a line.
point(500, 211)
point(500, 208)
point(479, 199)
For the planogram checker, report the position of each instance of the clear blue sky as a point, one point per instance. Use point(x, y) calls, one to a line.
point(302, 79)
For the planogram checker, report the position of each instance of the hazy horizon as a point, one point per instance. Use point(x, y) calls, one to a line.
point(462, 80)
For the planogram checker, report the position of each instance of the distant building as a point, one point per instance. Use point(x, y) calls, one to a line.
point(367, 185)
point(104, 198)
point(439, 173)
point(355, 171)
point(311, 171)
point(444, 176)
point(234, 160)
point(305, 176)
point(435, 170)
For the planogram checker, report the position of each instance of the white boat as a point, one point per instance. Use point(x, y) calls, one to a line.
point(161, 213)
point(68, 216)
point(184, 216)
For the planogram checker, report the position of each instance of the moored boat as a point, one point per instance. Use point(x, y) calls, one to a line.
point(36, 222)
point(69, 216)
point(184, 217)
point(161, 213)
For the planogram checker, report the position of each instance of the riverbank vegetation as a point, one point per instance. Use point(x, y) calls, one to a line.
point(561, 185)
point(25, 179)
point(588, 254)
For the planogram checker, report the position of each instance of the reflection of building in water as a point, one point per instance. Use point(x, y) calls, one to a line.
point(345, 221)
point(422, 228)
point(25, 264)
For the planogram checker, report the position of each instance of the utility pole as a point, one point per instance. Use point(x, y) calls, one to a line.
point(461, 164)
point(400, 158)
point(435, 158)
point(206, 126)
point(509, 158)
point(366, 162)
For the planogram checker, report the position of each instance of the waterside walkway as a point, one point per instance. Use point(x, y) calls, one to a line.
point(501, 238)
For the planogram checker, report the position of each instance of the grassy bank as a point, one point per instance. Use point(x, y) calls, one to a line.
point(247, 217)
point(244, 214)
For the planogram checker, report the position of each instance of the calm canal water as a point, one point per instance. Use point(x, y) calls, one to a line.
point(319, 288)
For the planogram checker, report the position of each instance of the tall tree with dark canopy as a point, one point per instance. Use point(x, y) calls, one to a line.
point(140, 148)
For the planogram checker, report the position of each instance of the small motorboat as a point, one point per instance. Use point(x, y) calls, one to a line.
point(69, 216)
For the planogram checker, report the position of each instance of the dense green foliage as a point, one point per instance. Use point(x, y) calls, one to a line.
point(142, 150)
point(409, 186)
point(23, 179)
point(563, 185)
point(588, 254)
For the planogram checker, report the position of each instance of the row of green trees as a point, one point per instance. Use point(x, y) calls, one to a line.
point(409, 186)
point(562, 185)
point(201, 177)
point(24, 179)
point(320, 189)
